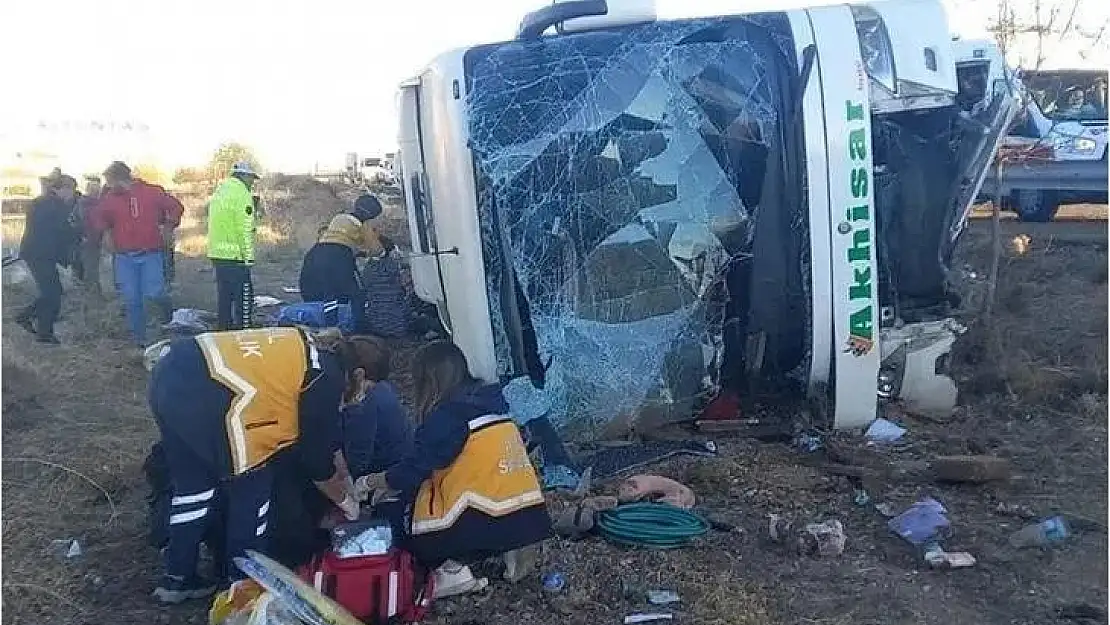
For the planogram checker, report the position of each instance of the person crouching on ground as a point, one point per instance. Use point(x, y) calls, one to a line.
point(468, 485)
point(226, 404)
point(48, 240)
point(377, 433)
point(330, 269)
point(137, 213)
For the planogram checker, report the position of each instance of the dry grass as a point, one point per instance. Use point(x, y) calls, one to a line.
point(76, 429)
point(1035, 346)
point(75, 434)
point(11, 228)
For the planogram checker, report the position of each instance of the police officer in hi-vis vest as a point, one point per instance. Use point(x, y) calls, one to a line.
point(467, 490)
point(226, 403)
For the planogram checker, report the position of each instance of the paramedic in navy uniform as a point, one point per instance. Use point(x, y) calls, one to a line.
point(226, 403)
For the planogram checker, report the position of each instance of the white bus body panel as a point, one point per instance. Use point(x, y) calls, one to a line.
point(855, 304)
point(817, 176)
point(425, 282)
point(454, 206)
point(919, 32)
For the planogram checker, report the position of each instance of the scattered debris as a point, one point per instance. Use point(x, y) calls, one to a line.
point(577, 520)
point(808, 443)
point(1041, 534)
point(656, 488)
point(584, 482)
point(290, 290)
point(883, 431)
point(938, 558)
point(554, 582)
point(190, 321)
point(886, 509)
point(825, 539)
point(725, 425)
point(647, 617)
point(662, 597)
point(971, 469)
point(922, 522)
point(1015, 509)
point(861, 498)
point(779, 528)
point(68, 548)
point(613, 461)
point(266, 301)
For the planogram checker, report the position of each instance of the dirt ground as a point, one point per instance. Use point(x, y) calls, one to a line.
point(1033, 384)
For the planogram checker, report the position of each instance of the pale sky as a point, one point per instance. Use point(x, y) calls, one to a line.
point(300, 82)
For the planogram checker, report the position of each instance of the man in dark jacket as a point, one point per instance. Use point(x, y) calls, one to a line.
point(48, 240)
point(89, 252)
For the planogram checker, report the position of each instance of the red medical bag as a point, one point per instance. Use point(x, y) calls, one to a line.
point(376, 589)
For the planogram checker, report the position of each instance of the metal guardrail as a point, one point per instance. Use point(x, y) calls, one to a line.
point(1086, 176)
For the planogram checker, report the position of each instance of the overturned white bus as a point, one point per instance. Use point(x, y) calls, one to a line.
point(625, 215)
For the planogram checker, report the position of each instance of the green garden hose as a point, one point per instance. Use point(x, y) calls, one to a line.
point(651, 525)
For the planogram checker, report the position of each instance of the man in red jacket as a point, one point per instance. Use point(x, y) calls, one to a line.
point(138, 215)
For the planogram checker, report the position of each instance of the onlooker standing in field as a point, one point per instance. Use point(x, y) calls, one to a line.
point(88, 252)
point(48, 239)
point(231, 222)
point(137, 213)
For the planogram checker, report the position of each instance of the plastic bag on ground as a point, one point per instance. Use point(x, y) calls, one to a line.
point(234, 605)
point(922, 522)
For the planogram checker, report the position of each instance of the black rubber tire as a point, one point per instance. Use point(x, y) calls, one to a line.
point(1035, 206)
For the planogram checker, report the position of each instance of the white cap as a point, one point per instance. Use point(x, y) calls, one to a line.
point(243, 168)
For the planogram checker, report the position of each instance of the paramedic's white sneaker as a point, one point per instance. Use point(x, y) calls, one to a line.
point(452, 579)
point(520, 563)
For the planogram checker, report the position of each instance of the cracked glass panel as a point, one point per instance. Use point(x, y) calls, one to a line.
point(643, 216)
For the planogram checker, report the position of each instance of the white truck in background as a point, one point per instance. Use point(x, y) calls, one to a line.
point(623, 215)
point(371, 170)
point(1056, 150)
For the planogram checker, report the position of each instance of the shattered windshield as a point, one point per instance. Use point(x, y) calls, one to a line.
point(643, 215)
point(1069, 95)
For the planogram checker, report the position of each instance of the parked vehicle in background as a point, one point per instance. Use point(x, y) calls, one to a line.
point(374, 171)
point(1056, 150)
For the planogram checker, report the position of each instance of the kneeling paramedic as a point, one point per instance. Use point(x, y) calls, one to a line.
point(467, 490)
point(226, 404)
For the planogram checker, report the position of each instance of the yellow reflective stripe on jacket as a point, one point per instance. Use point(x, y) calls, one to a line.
point(492, 475)
point(346, 229)
point(231, 222)
point(265, 370)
